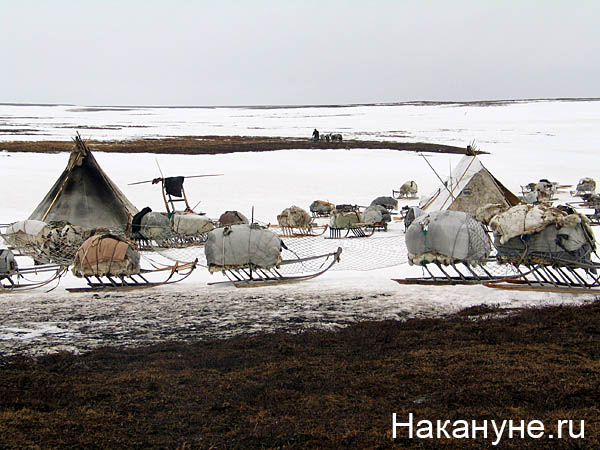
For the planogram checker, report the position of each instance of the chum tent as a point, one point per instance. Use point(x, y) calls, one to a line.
point(469, 187)
point(84, 195)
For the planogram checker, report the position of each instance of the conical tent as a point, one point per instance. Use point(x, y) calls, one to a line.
point(84, 195)
point(469, 187)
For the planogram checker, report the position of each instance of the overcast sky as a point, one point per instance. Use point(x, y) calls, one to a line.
point(268, 52)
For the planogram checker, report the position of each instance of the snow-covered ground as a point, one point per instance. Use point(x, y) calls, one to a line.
point(558, 140)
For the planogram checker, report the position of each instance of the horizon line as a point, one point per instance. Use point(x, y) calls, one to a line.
point(330, 105)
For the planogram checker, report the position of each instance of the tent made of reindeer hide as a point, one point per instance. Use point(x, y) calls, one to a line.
point(469, 187)
point(84, 195)
point(240, 246)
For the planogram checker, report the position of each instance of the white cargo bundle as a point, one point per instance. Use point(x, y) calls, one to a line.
point(447, 237)
point(376, 214)
point(155, 226)
point(344, 220)
point(25, 232)
point(191, 224)
point(102, 255)
point(542, 234)
point(294, 217)
point(527, 219)
point(240, 246)
point(8, 265)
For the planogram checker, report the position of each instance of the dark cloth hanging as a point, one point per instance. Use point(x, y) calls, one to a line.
point(136, 222)
point(173, 186)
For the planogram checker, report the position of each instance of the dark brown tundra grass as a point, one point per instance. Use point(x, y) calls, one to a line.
point(317, 389)
point(212, 145)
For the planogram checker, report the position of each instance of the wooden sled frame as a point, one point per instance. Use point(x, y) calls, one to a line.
point(253, 276)
point(316, 214)
point(399, 196)
point(178, 241)
point(451, 275)
point(135, 281)
point(360, 231)
point(11, 282)
point(571, 278)
point(312, 230)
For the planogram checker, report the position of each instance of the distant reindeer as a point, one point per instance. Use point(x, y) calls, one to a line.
point(327, 137)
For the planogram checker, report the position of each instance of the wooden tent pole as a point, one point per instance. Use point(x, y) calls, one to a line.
point(162, 184)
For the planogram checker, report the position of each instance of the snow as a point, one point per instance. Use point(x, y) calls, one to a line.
point(527, 141)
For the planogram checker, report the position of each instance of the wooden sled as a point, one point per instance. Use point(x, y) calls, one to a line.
point(594, 219)
point(399, 196)
point(312, 230)
point(14, 281)
point(351, 233)
point(452, 275)
point(572, 278)
point(135, 281)
point(147, 245)
point(253, 276)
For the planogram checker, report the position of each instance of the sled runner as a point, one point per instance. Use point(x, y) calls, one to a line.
point(456, 273)
point(563, 276)
point(252, 275)
point(14, 278)
point(292, 232)
point(111, 262)
point(135, 281)
point(351, 232)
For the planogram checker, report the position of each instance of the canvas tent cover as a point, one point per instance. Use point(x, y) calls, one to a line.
point(469, 187)
point(84, 195)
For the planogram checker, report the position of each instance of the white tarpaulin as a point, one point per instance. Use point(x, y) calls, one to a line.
point(240, 246)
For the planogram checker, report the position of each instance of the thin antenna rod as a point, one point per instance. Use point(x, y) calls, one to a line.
point(436, 174)
point(161, 174)
point(191, 176)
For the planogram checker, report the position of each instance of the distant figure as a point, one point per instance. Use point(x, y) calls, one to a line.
point(315, 135)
